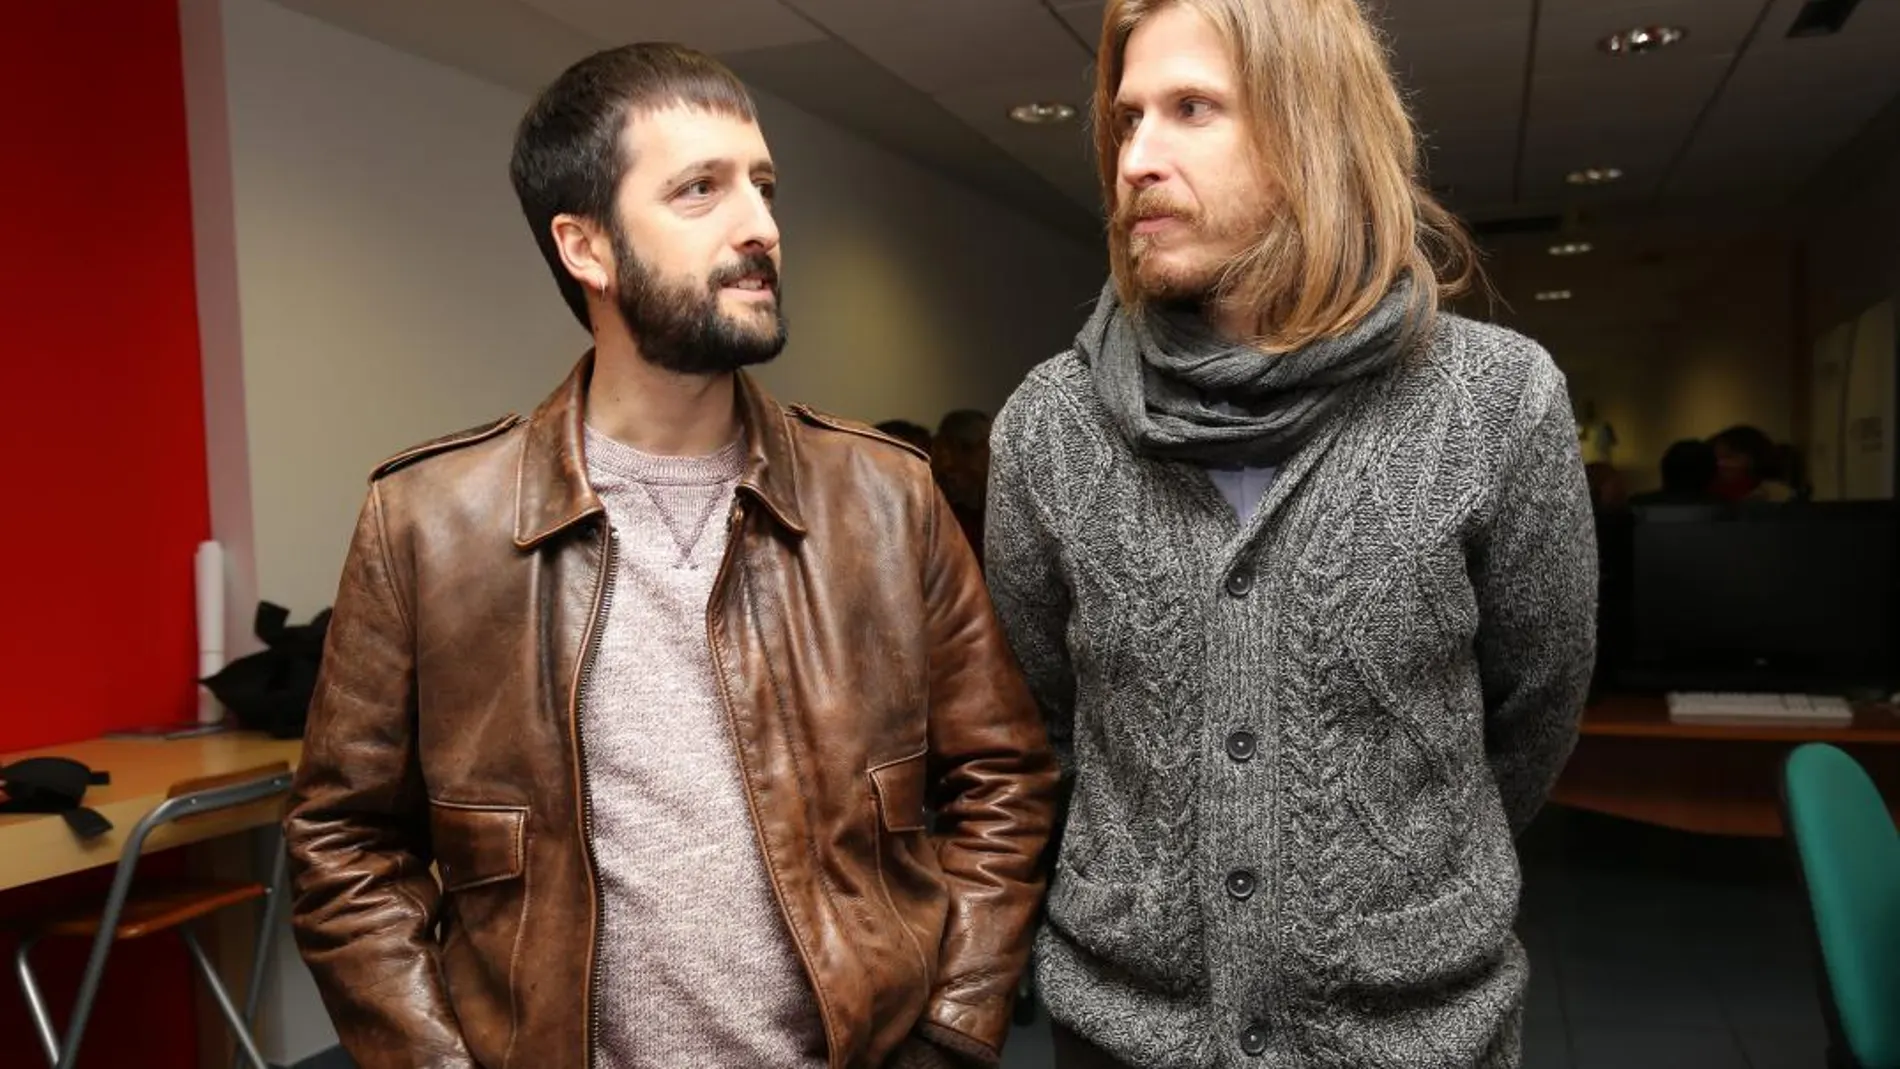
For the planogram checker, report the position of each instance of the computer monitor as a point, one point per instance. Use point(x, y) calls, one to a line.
point(1794, 597)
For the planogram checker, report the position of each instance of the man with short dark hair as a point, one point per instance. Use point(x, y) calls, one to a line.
point(627, 675)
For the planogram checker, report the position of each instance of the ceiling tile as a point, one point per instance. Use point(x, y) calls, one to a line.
point(1595, 143)
point(1634, 97)
point(500, 40)
point(1468, 108)
point(1791, 104)
point(1085, 19)
point(839, 15)
point(710, 25)
point(1551, 153)
point(1718, 166)
point(1495, 50)
point(1397, 16)
point(954, 48)
point(1061, 153)
point(833, 80)
point(1470, 181)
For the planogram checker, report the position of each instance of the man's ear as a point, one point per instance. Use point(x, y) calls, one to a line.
point(586, 252)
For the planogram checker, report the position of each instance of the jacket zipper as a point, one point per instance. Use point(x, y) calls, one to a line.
point(603, 600)
point(734, 520)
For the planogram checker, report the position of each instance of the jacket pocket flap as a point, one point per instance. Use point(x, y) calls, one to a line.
point(478, 844)
point(900, 793)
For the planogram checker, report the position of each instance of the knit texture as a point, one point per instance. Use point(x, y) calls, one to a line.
point(1302, 744)
point(697, 966)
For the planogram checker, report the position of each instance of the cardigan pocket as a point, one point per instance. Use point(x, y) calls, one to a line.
point(1450, 937)
point(1128, 925)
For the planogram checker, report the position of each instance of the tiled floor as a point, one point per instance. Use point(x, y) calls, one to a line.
point(1649, 950)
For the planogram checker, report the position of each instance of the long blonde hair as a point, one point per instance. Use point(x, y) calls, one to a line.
point(1353, 216)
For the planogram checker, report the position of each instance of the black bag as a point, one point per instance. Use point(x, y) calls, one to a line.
point(270, 690)
point(54, 785)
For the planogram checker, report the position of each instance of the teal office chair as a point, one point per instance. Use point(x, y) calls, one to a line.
point(1848, 855)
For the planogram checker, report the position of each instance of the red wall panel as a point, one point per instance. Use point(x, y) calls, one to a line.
point(105, 487)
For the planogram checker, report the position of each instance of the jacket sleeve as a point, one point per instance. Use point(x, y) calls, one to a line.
point(365, 903)
point(993, 778)
point(1536, 581)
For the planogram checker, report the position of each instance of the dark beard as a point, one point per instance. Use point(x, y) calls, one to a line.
point(681, 329)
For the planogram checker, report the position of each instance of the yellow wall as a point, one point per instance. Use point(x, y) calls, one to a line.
point(1667, 338)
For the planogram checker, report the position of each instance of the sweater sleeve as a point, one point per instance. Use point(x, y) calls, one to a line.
point(1536, 581)
point(1021, 551)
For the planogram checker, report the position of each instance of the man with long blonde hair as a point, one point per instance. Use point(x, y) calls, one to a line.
point(1301, 571)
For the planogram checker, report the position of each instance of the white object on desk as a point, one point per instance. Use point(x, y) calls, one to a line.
point(210, 570)
point(1691, 707)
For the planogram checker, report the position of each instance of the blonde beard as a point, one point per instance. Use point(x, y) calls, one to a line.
point(1157, 282)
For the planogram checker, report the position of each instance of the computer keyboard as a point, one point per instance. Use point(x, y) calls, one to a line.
point(1710, 707)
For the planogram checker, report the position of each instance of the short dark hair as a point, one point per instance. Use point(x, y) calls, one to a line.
point(1688, 467)
point(1751, 442)
point(905, 431)
point(570, 155)
point(965, 426)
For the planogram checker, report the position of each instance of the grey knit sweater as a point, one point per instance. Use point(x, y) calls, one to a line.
point(1302, 747)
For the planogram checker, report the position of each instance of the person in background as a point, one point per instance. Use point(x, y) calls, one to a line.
point(960, 459)
point(1688, 475)
point(1792, 466)
point(1746, 467)
point(1608, 491)
point(626, 674)
point(1301, 569)
point(905, 431)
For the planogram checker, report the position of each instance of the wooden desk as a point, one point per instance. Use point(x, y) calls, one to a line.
point(40, 846)
point(1631, 761)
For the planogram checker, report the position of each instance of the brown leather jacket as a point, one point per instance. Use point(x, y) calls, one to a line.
point(866, 672)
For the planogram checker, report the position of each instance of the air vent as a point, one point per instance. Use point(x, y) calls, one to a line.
point(1822, 18)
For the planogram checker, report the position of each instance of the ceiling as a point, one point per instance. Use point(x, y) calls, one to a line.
point(1511, 94)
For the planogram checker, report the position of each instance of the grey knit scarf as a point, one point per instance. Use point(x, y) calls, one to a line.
point(1177, 391)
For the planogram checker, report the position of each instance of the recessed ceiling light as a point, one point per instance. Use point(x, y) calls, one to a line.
point(1571, 248)
point(1042, 113)
point(1593, 176)
point(1640, 39)
point(1553, 295)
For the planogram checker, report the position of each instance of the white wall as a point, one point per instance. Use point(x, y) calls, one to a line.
point(1849, 221)
point(391, 291)
point(380, 287)
point(907, 294)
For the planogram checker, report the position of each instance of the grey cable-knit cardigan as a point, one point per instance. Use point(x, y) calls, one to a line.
point(1302, 747)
